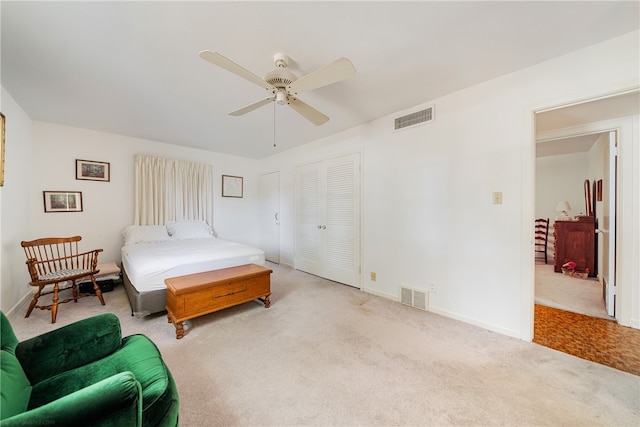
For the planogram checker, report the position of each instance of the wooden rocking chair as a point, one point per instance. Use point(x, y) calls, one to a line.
point(55, 260)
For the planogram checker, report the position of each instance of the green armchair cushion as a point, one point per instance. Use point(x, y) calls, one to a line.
point(69, 347)
point(114, 401)
point(15, 389)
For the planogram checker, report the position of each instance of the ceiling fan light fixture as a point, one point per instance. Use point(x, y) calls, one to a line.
point(280, 77)
point(281, 97)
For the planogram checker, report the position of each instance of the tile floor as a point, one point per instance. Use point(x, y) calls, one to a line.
point(599, 340)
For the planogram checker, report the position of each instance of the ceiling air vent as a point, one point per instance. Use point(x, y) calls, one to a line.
point(422, 116)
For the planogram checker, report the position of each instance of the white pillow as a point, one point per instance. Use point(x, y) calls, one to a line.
point(189, 230)
point(145, 233)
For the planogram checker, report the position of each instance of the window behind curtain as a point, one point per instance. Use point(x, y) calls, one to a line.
point(168, 190)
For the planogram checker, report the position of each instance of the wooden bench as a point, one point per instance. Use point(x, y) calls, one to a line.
point(55, 261)
point(198, 294)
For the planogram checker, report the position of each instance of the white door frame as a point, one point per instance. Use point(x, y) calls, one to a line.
point(624, 128)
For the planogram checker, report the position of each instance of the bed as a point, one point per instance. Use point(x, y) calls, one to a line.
point(153, 253)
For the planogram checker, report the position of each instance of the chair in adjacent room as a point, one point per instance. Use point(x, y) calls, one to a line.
point(541, 238)
point(54, 261)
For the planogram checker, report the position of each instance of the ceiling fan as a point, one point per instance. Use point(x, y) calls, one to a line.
point(285, 86)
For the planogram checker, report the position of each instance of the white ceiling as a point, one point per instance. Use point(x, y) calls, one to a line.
point(132, 68)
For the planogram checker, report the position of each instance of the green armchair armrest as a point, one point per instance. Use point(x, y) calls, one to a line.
point(69, 347)
point(114, 401)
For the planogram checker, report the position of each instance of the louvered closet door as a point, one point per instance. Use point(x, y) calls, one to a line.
point(328, 219)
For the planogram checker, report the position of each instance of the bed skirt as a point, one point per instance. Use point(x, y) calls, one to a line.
point(144, 303)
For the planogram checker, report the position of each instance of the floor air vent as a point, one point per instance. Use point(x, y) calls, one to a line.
point(413, 119)
point(414, 298)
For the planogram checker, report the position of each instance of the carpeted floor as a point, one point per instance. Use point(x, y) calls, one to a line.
point(325, 354)
point(568, 293)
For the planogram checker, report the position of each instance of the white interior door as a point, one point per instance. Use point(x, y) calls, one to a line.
point(342, 219)
point(309, 219)
point(269, 190)
point(328, 219)
point(609, 227)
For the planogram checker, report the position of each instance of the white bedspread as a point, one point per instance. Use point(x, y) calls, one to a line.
point(148, 264)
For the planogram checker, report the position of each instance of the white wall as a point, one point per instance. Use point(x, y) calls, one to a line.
point(14, 203)
point(428, 216)
point(561, 178)
point(48, 163)
point(108, 206)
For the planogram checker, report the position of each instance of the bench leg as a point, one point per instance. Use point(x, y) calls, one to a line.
point(179, 330)
point(179, 326)
point(267, 301)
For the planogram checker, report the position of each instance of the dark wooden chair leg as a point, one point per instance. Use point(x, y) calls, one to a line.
point(33, 303)
point(74, 290)
point(96, 288)
point(54, 303)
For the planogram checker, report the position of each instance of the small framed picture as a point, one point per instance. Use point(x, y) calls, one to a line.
point(231, 186)
point(62, 201)
point(93, 171)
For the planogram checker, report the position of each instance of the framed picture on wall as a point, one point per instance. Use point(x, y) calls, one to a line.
point(231, 186)
point(62, 201)
point(93, 171)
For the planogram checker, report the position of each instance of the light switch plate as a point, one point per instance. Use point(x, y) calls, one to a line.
point(497, 197)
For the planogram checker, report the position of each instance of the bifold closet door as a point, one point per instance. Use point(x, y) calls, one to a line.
point(328, 219)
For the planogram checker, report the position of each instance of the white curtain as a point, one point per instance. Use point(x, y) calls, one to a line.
point(172, 190)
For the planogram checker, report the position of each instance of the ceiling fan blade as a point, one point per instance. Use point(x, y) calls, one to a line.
point(222, 62)
point(339, 69)
point(251, 107)
point(307, 111)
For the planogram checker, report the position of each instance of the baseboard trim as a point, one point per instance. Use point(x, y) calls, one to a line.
point(445, 313)
point(381, 294)
point(21, 306)
point(484, 325)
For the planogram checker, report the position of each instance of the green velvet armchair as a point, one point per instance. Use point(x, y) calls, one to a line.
point(85, 374)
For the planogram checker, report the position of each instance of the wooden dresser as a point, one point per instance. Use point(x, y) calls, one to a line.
point(575, 241)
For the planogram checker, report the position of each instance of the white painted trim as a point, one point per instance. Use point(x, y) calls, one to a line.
point(527, 297)
point(488, 326)
point(581, 130)
point(378, 293)
point(21, 306)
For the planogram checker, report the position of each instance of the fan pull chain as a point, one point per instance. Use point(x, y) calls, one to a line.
point(274, 124)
